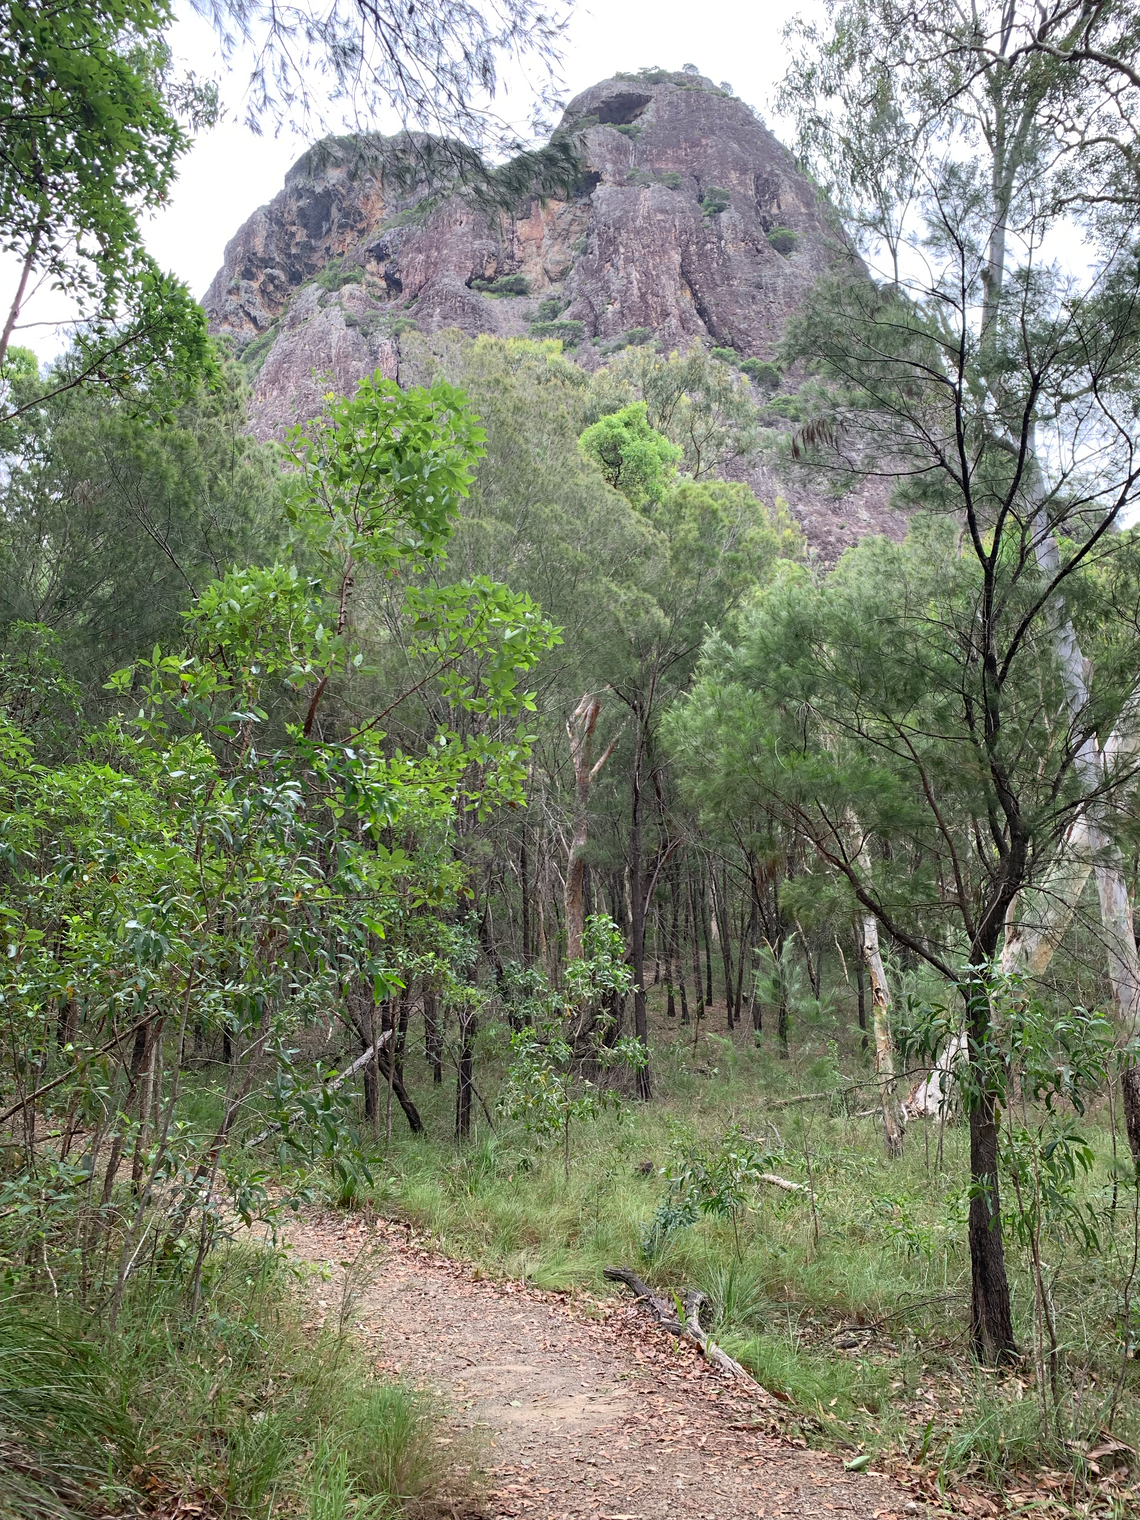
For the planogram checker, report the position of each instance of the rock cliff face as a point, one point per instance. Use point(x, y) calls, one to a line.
point(690, 223)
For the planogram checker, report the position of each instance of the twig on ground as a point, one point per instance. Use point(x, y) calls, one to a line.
point(690, 1326)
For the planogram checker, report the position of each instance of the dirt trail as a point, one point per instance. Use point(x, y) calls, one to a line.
point(590, 1412)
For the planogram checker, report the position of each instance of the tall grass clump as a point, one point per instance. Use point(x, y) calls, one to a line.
point(235, 1407)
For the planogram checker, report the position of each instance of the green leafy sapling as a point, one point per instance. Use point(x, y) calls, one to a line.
point(546, 1088)
point(718, 1183)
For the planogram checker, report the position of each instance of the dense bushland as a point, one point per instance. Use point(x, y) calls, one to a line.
point(485, 809)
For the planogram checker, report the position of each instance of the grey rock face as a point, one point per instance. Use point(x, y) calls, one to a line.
point(690, 224)
point(683, 197)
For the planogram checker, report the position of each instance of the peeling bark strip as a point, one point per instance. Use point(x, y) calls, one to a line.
point(1091, 763)
point(884, 1055)
point(665, 1313)
point(580, 731)
point(893, 1120)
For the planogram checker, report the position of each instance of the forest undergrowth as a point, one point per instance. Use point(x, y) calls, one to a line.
point(235, 1407)
point(847, 1298)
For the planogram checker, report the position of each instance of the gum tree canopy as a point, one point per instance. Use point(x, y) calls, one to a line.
point(91, 127)
point(946, 722)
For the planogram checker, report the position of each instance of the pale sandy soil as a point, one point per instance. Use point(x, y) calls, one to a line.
point(583, 1410)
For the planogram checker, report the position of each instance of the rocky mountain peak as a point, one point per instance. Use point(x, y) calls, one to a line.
point(689, 222)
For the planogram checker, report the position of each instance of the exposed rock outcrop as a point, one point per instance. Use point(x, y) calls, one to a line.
point(690, 223)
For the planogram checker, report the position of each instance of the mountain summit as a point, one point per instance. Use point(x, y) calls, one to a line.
point(689, 222)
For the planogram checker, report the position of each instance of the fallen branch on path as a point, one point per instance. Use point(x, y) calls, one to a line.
point(350, 1071)
point(665, 1314)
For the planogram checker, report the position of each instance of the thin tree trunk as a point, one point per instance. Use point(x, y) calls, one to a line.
point(401, 1040)
point(21, 290)
point(861, 987)
point(433, 1035)
point(1115, 906)
point(694, 943)
point(673, 949)
point(524, 886)
point(884, 1051)
point(991, 1312)
point(580, 731)
point(706, 930)
point(722, 922)
point(637, 919)
point(464, 1089)
point(746, 930)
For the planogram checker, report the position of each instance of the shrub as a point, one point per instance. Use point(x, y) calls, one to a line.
point(504, 285)
point(634, 457)
point(716, 201)
point(253, 354)
point(763, 372)
point(549, 308)
point(333, 276)
point(636, 336)
point(783, 240)
point(726, 356)
point(670, 179)
point(570, 333)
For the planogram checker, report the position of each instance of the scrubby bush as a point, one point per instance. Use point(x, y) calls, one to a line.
point(334, 276)
point(784, 240)
point(715, 201)
point(503, 285)
point(570, 333)
point(763, 372)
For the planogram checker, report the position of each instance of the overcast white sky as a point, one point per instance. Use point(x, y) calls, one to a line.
point(230, 171)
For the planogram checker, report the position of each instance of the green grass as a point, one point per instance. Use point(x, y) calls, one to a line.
point(233, 1406)
point(883, 1258)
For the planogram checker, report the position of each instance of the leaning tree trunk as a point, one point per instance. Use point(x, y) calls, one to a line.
point(580, 731)
point(884, 1050)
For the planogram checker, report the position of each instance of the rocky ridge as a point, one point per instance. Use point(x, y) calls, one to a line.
point(689, 223)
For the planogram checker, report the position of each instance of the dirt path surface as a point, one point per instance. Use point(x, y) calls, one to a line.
point(589, 1412)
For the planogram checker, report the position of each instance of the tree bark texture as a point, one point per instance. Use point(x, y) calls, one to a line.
point(580, 731)
point(884, 1051)
point(991, 1311)
point(464, 1087)
point(637, 907)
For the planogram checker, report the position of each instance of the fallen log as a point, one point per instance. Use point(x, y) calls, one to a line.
point(783, 1182)
point(689, 1325)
